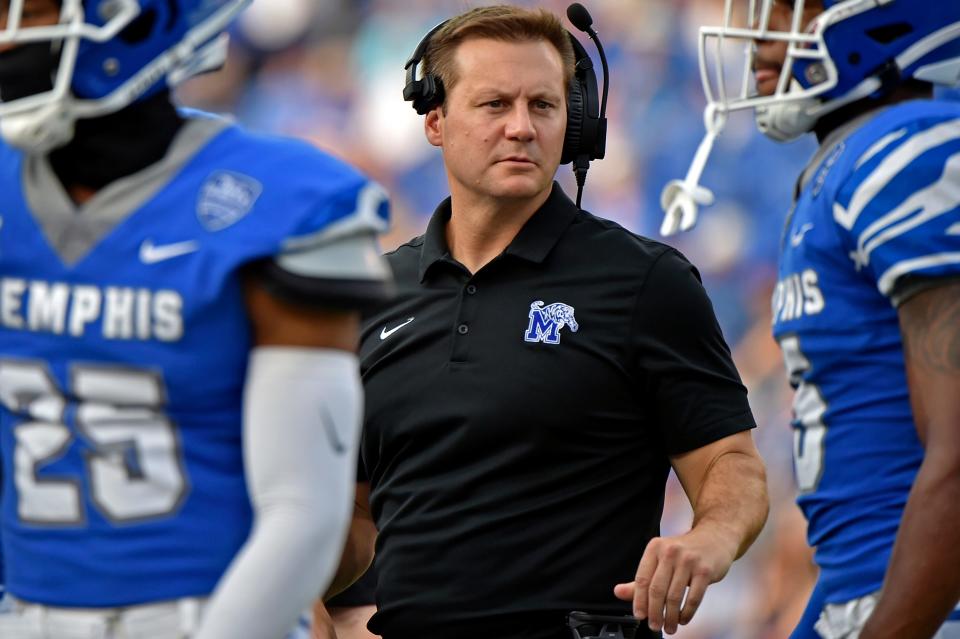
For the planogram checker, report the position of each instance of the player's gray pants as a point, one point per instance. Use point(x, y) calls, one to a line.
point(6, 604)
point(167, 620)
point(846, 620)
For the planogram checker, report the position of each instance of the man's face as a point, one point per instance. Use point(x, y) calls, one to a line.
point(27, 69)
point(36, 13)
point(503, 129)
point(771, 54)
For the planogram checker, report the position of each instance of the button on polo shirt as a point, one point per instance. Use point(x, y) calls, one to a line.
point(518, 428)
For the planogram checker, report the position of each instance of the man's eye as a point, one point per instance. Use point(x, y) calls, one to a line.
point(495, 104)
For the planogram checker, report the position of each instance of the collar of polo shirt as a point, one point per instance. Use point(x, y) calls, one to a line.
point(533, 243)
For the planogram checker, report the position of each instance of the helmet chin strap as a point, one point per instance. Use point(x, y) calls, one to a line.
point(681, 199)
point(40, 130)
point(789, 120)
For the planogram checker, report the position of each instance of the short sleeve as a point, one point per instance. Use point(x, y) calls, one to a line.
point(683, 363)
point(339, 264)
point(901, 211)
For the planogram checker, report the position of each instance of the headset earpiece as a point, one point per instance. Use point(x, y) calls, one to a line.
point(573, 138)
point(583, 110)
point(427, 92)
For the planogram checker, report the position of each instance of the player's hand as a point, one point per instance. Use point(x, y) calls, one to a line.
point(670, 567)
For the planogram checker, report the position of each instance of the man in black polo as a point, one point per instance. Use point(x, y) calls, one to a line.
point(535, 379)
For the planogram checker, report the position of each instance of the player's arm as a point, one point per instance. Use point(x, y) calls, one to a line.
point(725, 482)
point(302, 413)
point(301, 423)
point(922, 584)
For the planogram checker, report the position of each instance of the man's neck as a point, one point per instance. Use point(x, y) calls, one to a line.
point(903, 93)
point(480, 229)
point(115, 146)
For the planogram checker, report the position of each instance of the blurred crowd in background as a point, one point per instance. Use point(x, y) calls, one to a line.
point(331, 72)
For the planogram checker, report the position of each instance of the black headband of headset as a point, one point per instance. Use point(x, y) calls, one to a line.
point(413, 85)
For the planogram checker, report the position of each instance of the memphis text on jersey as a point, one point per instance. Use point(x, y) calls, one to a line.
point(797, 295)
point(77, 310)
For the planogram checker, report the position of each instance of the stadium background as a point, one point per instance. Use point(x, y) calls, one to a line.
point(331, 71)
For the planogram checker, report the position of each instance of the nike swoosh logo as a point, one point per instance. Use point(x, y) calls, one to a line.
point(151, 253)
point(384, 333)
point(338, 445)
point(797, 238)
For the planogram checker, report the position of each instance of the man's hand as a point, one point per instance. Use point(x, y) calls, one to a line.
point(671, 565)
point(725, 482)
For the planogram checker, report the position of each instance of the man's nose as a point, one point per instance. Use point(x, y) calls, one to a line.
point(520, 124)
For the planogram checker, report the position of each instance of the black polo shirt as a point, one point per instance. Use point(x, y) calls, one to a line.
point(519, 421)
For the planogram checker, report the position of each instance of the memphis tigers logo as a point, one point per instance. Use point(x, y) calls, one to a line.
point(546, 322)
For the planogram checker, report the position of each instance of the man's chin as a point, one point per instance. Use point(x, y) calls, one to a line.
point(521, 187)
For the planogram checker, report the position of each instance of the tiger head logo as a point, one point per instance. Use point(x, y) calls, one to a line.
point(546, 322)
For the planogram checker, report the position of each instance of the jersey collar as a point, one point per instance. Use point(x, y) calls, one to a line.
point(533, 243)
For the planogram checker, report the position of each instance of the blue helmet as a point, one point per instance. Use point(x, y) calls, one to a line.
point(850, 50)
point(887, 41)
point(109, 54)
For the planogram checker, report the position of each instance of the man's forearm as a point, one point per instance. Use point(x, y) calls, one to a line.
point(733, 500)
point(726, 484)
point(922, 584)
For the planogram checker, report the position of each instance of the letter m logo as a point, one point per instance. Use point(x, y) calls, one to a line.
point(546, 322)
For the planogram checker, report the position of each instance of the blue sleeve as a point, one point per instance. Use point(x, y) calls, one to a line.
point(331, 257)
point(349, 206)
point(900, 210)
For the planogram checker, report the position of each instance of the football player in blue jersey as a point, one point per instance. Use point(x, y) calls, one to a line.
point(867, 309)
point(179, 394)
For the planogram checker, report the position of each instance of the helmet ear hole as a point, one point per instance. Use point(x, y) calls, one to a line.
point(141, 28)
point(890, 32)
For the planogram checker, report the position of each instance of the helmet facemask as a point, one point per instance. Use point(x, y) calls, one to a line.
point(36, 113)
point(808, 75)
point(110, 54)
point(812, 80)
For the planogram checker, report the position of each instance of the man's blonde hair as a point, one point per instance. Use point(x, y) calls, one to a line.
point(499, 22)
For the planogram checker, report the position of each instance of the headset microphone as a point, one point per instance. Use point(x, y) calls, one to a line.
point(581, 19)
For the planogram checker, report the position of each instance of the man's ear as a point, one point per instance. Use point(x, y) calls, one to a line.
point(433, 126)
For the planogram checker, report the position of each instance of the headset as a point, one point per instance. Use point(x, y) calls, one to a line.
point(586, 135)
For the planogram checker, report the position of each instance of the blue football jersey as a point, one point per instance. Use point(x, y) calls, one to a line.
point(124, 342)
point(878, 208)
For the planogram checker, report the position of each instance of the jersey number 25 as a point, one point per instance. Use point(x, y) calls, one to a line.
point(131, 451)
